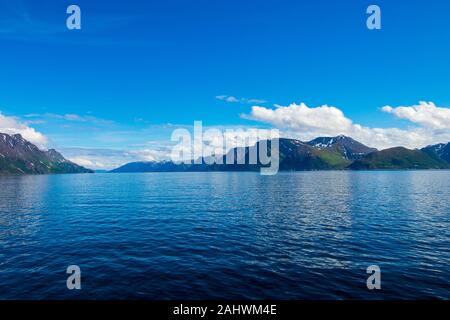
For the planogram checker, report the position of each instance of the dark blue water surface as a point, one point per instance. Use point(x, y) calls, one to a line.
point(226, 235)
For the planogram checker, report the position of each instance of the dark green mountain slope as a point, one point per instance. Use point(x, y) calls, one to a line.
point(399, 158)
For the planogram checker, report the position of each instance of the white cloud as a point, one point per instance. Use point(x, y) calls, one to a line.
point(149, 154)
point(107, 159)
point(256, 101)
point(12, 125)
point(69, 117)
point(301, 117)
point(232, 99)
point(85, 162)
point(305, 123)
point(426, 114)
point(227, 98)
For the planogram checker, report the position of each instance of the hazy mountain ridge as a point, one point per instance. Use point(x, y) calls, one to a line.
point(323, 153)
point(19, 156)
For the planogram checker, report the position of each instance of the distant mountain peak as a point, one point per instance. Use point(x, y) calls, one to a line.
point(19, 138)
point(350, 148)
point(437, 147)
point(440, 150)
point(341, 136)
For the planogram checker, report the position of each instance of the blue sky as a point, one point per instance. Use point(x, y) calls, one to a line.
point(137, 69)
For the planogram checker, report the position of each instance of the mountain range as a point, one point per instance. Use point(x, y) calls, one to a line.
point(19, 156)
point(323, 153)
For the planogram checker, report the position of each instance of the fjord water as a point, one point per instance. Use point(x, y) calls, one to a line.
point(304, 235)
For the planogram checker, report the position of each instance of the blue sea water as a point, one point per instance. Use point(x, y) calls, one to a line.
point(306, 235)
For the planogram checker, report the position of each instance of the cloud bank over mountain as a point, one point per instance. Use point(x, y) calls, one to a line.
point(12, 125)
point(430, 124)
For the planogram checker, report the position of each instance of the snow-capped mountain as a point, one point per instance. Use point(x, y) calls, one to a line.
point(19, 156)
point(349, 148)
point(442, 150)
